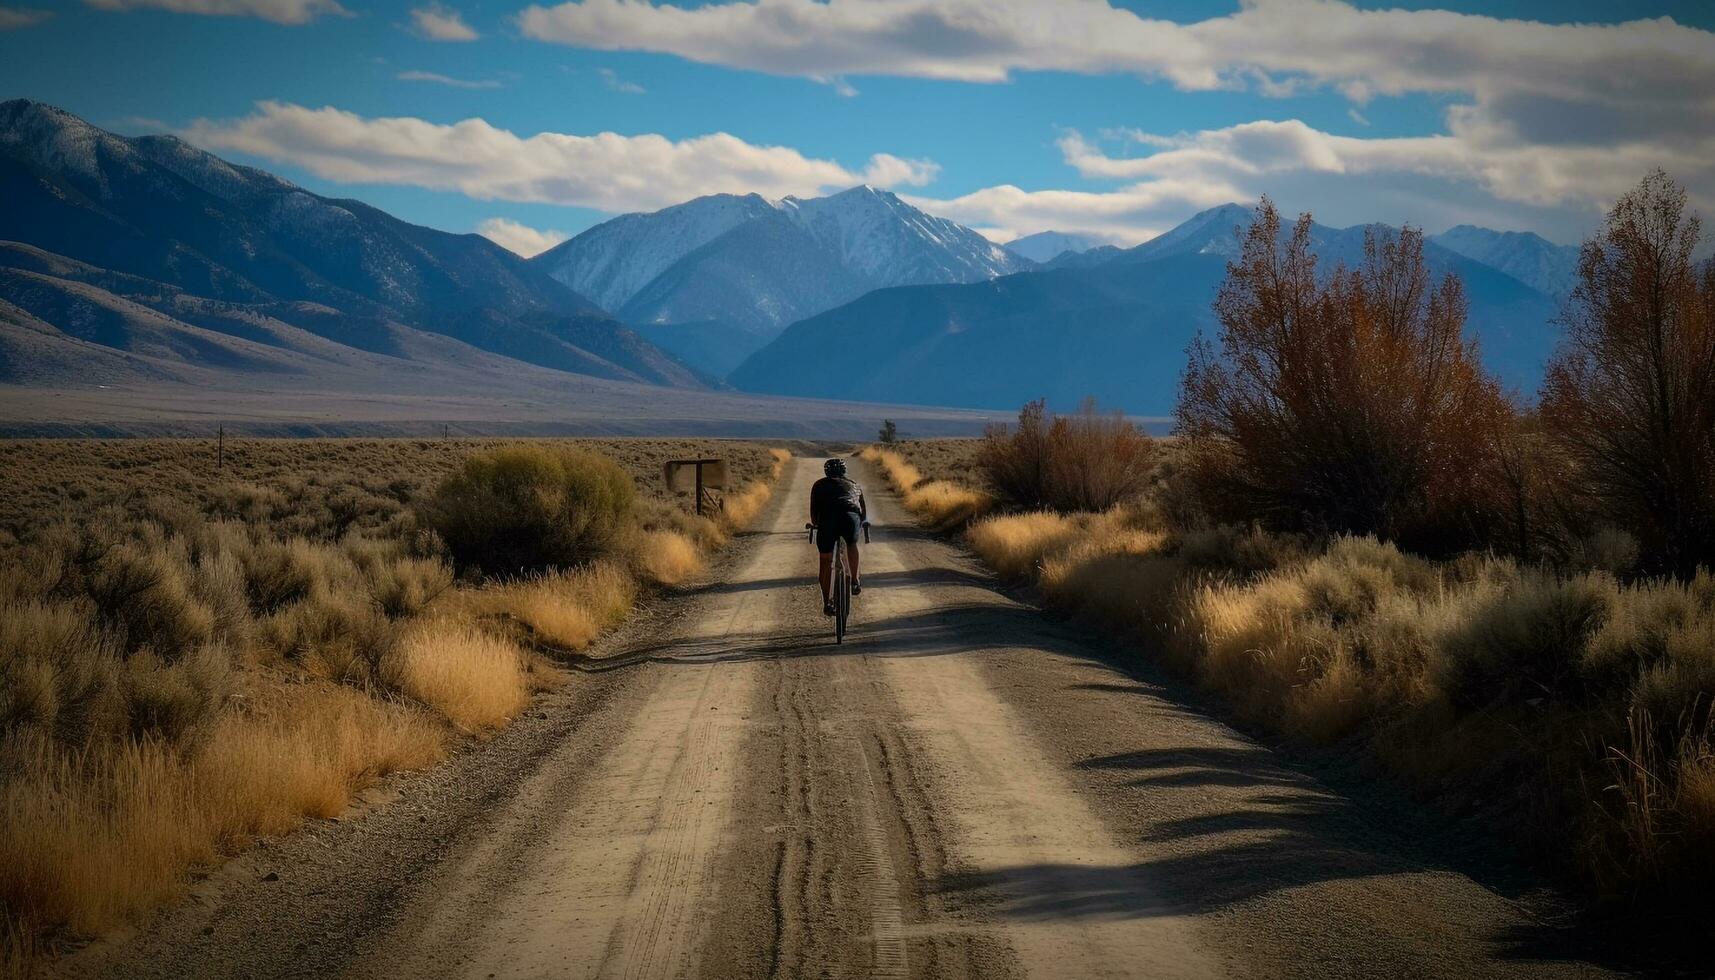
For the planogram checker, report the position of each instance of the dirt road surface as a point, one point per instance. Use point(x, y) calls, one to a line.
point(963, 789)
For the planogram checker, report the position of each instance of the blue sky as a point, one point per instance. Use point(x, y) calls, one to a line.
point(1008, 115)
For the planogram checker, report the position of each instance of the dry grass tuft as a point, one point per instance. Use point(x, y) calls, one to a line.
point(474, 678)
point(565, 609)
point(667, 558)
point(739, 509)
point(1016, 544)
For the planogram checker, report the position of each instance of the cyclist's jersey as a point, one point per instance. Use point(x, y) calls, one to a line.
point(833, 497)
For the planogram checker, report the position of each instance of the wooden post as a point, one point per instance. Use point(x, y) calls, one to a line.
point(220, 447)
point(699, 488)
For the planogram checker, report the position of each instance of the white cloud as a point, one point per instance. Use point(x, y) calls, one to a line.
point(441, 23)
point(1547, 82)
point(611, 79)
point(1472, 174)
point(1270, 43)
point(520, 238)
point(606, 171)
point(1128, 215)
point(278, 11)
point(429, 76)
point(1495, 161)
point(13, 18)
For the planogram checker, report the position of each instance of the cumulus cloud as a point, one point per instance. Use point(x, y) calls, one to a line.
point(441, 23)
point(278, 11)
point(13, 18)
point(520, 238)
point(438, 79)
point(606, 171)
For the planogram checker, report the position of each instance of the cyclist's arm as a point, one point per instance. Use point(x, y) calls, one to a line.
point(863, 507)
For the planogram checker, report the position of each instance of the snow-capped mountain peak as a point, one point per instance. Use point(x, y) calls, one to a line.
point(1526, 256)
point(616, 259)
point(885, 239)
point(875, 238)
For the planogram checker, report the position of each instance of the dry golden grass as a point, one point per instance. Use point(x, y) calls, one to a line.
point(1015, 544)
point(739, 509)
point(90, 838)
point(568, 610)
point(190, 657)
point(940, 504)
point(473, 678)
point(667, 558)
point(1050, 546)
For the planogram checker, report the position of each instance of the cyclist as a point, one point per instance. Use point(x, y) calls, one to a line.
point(837, 509)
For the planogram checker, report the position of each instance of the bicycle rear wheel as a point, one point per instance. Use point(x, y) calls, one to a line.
point(842, 592)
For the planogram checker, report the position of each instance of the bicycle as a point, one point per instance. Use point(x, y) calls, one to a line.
point(842, 584)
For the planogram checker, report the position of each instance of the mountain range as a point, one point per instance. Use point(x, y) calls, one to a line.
point(716, 278)
point(159, 261)
point(1107, 322)
point(146, 260)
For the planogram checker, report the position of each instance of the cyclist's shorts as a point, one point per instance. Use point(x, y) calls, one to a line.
point(844, 525)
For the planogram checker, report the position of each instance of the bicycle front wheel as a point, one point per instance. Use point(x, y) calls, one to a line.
point(842, 592)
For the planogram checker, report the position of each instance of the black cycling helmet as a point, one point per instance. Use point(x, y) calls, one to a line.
point(834, 467)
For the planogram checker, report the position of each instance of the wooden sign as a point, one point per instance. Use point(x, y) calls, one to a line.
point(683, 476)
point(695, 476)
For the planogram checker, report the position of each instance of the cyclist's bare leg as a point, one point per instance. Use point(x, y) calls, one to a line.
point(852, 561)
point(826, 576)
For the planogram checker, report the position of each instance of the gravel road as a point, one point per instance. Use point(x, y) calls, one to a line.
point(965, 788)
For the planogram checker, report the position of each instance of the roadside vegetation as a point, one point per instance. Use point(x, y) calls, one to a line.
point(1359, 541)
point(202, 645)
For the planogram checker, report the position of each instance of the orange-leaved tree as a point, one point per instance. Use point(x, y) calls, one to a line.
point(1630, 395)
point(1349, 402)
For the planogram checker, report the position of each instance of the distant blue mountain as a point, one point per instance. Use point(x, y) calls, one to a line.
point(1531, 259)
point(139, 232)
point(1110, 323)
point(717, 277)
point(1045, 246)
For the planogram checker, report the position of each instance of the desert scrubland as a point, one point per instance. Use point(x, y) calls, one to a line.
point(201, 644)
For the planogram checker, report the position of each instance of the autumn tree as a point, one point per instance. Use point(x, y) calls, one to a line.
point(1630, 394)
point(1346, 402)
